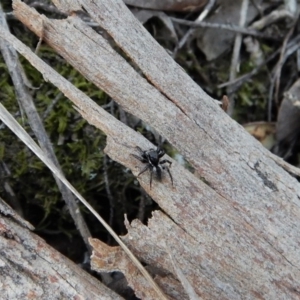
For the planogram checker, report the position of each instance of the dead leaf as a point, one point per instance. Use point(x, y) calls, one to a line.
point(110, 259)
point(262, 131)
point(214, 42)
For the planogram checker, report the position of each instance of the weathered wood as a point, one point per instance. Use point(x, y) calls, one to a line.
point(31, 269)
point(25, 100)
point(235, 233)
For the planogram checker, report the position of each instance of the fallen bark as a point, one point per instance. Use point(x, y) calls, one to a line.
point(31, 269)
point(26, 102)
point(234, 233)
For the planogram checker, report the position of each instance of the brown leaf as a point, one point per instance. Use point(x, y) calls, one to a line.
point(225, 103)
point(109, 259)
point(262, 131)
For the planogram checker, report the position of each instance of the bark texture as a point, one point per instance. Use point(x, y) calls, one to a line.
point(232, 231)
point(31, 269)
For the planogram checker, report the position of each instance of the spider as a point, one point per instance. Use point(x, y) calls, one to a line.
point(152, 160)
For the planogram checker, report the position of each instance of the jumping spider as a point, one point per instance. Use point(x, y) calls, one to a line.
point(152, 160)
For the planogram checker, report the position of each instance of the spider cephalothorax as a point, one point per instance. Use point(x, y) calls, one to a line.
point(153, 163)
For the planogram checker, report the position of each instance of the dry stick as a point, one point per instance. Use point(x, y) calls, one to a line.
point(11, 196)
point(24, 97)
point(109, 194)
point(77, 96)
point(52, 105)
point(292, 45)
point(184, 281)
point(257, 7)
point(151, 64)
point(15, 127)
point(244, 203)
point(236, 53)
point(289, 168)
point(273, 17)
point(46, 7)
point(290, 50)
point(201, 17)
point(295, 44)
point(276, 74)
point(228, 27)
point(242, 79)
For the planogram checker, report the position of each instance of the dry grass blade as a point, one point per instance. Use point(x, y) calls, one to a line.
point(8, 119)
point(25, 100)
point(184, 281)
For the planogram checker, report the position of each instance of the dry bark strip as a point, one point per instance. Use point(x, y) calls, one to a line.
point(106, 258)
point(31, 269)
point(234, 164)
point(241, 222)
point(77, 96)
point(25, 100)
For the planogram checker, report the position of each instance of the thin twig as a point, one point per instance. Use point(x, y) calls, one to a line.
point(109, 196)
point(229, 27)
point(22, 94)
point(289, 52)
point(281, 62)
point(293, 45)
point(285, 165)
point(37, 48)
point(236, 53)
point(77, 96)
point(201, 17)
point(46, 7)
point(258, 7)
point(12, 198)
point(275, 81)
point(51, 105)
point(189, 289)
point(273, 17)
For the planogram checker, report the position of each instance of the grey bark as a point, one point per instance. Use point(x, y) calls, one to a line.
point(232, 228)
point(26, 102)
point(31, 269)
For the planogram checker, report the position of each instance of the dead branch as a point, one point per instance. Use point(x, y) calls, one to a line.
point(238, 219)
point(24, 98)
point(229, 27)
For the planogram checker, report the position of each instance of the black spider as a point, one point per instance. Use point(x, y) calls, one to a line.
point(152, 160)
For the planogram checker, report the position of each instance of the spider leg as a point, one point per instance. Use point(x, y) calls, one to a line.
point(167, 168)
point(165, 161)
point(138, 157)
point(160, 152)
point(158, 172)
point(169, 172)
point(139, 149)
point(151, 172)
point(144, 170)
